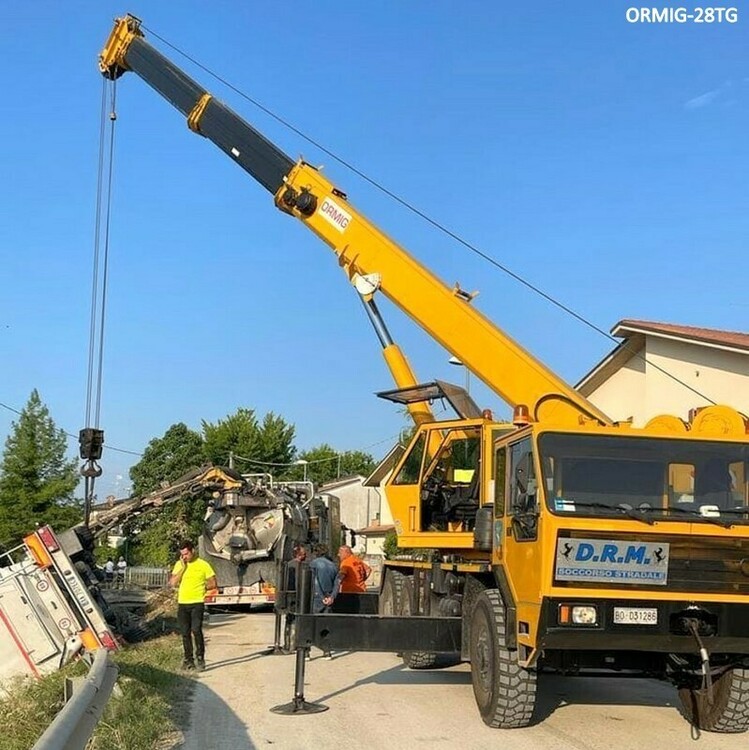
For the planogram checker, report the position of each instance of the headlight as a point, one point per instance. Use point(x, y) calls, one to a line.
point(584, 615)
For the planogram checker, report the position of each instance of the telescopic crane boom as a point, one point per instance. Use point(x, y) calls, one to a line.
point(369, 258)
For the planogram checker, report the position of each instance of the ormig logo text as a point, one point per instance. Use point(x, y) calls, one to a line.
point(335, 215)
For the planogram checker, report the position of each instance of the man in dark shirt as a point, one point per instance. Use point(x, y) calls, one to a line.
point(324, 582)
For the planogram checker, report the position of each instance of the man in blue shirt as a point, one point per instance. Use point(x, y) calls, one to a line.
point(324, 582)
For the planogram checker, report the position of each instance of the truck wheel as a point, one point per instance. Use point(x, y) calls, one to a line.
point(505, 692)
point(414, 659)
point(729, 713)
point(392, 591)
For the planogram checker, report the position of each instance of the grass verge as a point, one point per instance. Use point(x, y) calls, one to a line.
point(148, 716)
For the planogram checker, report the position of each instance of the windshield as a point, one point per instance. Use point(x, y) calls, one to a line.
point(659, 478)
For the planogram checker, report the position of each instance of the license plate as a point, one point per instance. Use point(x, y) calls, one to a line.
point(635, 616)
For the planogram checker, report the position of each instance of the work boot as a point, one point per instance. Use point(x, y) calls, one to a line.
point(201, 665)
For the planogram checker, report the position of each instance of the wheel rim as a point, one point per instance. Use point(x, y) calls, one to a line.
point(482, 662)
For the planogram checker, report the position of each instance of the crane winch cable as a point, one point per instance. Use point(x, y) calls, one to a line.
point(91, 437)
point(623, 346)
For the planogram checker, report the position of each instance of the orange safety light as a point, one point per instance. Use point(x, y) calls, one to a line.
point(89, 639)
point(38, 551)
point(521, 415)
point(564, 614)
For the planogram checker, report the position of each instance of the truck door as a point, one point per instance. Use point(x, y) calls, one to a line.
point(403, 488)
point(522, 549)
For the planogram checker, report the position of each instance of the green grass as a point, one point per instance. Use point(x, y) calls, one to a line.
point(148, 715)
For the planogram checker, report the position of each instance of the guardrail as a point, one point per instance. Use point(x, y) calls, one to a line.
point(146, 578)
point(86, 699)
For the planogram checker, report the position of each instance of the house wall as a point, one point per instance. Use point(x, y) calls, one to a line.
point(359, 505)
point(722, 376)
point(640, 390)
point(623, 395)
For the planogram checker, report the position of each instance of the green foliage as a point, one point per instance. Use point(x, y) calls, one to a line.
point(237, 433)
point(325, 463)
point(240, 433)
point(276, 440)
point(159, 534)
point(37, 481)
point(167, 458)
point(390, 545)
point(104, 552)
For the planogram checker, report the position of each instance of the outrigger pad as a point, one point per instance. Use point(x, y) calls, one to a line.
point(299, 706)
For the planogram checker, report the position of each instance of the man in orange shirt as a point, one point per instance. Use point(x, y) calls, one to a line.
point(352, 571)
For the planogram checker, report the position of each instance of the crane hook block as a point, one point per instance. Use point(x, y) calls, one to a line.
point(91, 470)
point(91, 442)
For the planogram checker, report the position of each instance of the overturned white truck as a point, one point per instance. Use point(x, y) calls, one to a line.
point(49, 612)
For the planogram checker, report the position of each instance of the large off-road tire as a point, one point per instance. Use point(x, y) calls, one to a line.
point(413, 659)
point(729, 712)
point(505, 692)
point(392, 591)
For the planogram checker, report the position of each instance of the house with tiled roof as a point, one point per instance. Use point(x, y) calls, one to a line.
point(666, 368)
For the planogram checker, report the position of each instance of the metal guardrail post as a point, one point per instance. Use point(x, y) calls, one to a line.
point(73, 726)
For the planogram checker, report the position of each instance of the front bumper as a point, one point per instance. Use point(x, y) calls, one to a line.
point(730, 622)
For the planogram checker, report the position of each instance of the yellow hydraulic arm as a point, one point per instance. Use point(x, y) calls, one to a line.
point(198, 481)
point(369, 258)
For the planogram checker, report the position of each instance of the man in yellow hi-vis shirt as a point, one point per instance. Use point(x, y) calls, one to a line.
point(194, 577)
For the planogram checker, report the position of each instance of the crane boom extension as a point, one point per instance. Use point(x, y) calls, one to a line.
point(365, 253)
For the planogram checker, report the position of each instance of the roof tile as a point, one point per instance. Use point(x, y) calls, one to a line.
point(709, 335)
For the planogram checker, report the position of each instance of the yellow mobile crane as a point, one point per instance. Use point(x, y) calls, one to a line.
point(558, 541)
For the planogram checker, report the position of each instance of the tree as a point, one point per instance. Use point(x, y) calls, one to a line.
point(276, 440)
point(167, 458)
point(240, 433)
point(37, 481)
point(325, 463)
point(157, 536)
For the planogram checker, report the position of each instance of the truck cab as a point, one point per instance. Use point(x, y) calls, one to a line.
point(47, 614)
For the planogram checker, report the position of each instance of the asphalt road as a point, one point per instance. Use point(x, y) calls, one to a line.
point(375, 702)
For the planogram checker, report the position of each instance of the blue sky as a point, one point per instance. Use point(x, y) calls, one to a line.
point(605, 162)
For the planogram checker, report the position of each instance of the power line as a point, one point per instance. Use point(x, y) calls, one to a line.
point(9, 408)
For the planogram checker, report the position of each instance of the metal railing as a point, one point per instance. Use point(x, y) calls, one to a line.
point(146, 578)
point(86, 699)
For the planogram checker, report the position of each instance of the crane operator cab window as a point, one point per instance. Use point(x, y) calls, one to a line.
point(449, 493)
point(523, 495)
